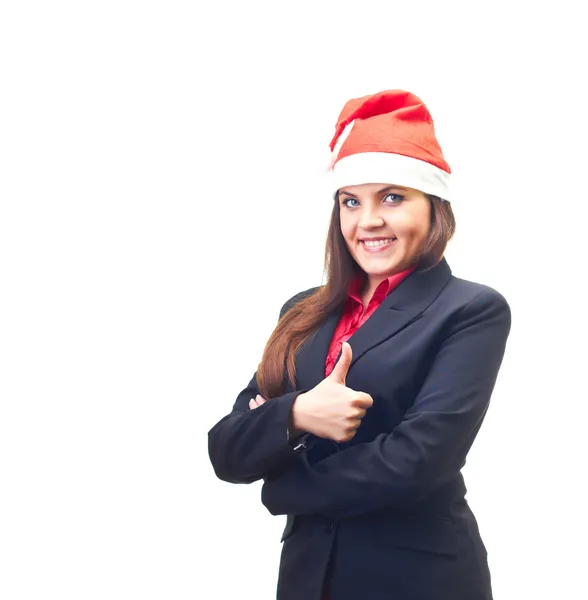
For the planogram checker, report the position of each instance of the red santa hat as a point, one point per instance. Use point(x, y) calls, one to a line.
point(388, 137)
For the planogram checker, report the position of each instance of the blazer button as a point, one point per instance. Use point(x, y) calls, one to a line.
point(328, 526)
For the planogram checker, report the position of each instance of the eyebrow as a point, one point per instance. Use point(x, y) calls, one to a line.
point(387, 188)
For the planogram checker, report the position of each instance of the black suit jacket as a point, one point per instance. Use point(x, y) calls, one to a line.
point(382, 516)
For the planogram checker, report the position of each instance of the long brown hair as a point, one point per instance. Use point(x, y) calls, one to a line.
point(302, 320)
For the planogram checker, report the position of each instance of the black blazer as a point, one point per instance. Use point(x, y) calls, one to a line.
point(383, 516)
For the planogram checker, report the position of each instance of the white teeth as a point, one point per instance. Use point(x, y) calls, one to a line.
point(377, 243)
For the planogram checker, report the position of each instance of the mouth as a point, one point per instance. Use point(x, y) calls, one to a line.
point(377, 244)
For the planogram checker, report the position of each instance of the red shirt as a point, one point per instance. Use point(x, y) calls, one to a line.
point(354, 317)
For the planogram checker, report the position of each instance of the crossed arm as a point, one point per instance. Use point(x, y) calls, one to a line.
point(427, 449)
point(247, 445)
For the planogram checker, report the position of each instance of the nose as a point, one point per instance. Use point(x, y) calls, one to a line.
point(370, 218)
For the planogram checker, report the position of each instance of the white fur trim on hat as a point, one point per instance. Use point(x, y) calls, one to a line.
point(386, 167)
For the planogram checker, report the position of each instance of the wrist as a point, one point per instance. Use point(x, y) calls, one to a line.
point(296, 424)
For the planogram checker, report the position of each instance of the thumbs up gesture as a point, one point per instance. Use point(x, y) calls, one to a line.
point(331, 409)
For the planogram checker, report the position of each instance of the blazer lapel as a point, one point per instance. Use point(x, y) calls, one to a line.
point(400, 308)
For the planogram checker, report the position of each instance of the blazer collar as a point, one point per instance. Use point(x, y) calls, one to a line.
point(402, 306)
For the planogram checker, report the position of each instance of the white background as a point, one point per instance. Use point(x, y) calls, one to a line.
point(162, 187)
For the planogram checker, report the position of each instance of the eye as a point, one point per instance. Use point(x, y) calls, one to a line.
point(397, 196)
point(344, 202)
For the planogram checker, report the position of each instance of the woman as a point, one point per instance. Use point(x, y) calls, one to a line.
point(372, 388)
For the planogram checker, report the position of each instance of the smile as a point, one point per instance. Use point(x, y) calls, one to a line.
point(377, 246)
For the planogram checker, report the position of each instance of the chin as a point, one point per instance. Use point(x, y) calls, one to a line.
point(390, 269)
point(384, 268)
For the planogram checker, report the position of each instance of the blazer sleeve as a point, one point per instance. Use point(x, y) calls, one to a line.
point(247, 445)
point(428, 447)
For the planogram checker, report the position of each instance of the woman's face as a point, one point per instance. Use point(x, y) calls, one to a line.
point(378, 211)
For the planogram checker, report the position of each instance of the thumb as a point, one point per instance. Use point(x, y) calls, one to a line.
point(339, 373)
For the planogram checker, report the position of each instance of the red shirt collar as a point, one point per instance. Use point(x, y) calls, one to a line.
point(383, 289)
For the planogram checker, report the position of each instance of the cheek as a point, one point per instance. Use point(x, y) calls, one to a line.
point(412, 226)
point(347, 229)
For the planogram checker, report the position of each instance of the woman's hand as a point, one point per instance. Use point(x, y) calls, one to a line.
point(257, 401)
point(332, 410)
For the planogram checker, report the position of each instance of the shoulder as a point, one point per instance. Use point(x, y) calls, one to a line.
point(468, 298)
point(297, 298)
point(469, 291)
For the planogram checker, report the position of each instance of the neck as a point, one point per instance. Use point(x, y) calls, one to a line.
point(368, 289)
